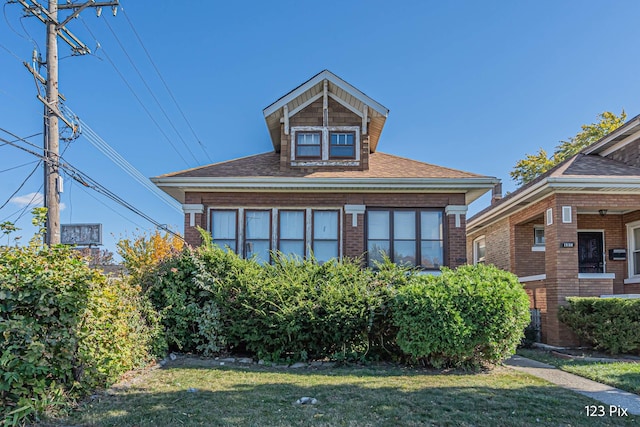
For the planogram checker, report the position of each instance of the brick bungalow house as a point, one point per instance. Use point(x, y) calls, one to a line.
point(574, 231)
point(326, 190)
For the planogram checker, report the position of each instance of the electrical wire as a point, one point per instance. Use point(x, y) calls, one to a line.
point(19, 166)
point(89, 182)
point(120, 161)
point(21, 185)
point(144, 82)
point(166, 86)
point(135, 95)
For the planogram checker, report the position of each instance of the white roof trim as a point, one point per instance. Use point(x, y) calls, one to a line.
point(325, 75)
point(579, 185)
point(604, 141)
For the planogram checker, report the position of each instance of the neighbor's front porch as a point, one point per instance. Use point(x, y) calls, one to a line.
point(575, 245)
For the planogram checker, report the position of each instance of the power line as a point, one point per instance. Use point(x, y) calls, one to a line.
point(89, 182)
point(166, 86)
point(19, 166)
point(144, 81)
point(21, 185)
point(120, 161)
point(133, 92)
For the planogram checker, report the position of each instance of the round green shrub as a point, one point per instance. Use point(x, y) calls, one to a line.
point(467, 317)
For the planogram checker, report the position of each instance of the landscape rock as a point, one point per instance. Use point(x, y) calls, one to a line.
point(298, 365)
point(306, 401)
point(245, 360)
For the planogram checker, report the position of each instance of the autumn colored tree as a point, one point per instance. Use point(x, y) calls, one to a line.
point(534, 165)
point(143, 252)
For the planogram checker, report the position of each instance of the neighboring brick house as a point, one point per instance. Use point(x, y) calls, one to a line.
point(574, 231)
point(324, 189)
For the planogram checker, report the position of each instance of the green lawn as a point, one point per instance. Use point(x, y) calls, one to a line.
point(623, 375)
point(347, 396)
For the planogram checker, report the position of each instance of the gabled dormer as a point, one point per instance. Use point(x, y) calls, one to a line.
point(325, 123)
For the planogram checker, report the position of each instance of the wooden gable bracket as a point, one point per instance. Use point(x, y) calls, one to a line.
point(325, 103)
point(365, 114)
point(285, 113)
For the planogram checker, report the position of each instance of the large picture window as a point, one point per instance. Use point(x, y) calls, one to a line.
point(325, 235)
point(291, 226)
point(257, 233)
point(408, 237)
point(223, 228)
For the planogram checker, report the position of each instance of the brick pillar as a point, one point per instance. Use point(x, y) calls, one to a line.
point(561, 268)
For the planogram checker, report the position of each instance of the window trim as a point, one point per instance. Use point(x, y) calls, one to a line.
point(476, 259)
point(338, 228)
point(536, 244)
point(631, 226)
point(244, 232)
point(418, 234)
point(210, 225)
point(308, 132)
point(304, 230)
point(353, 146)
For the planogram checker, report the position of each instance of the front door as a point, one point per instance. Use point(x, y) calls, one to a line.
point(590, 252)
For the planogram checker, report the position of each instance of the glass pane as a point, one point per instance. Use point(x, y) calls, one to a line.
point(308, 151)
point(257, 225)
point(231, 244)
point(480, 249)
point(259, 248)
point(636, 238)
point(432, 254)
point(404, 252)
point(292, 225)
point(308, 139)
point(341, 139)
point(539, 236)
point(223, 224)
point(378, 225)
point(636, 263)
point(289, 248)
point(324, 250)
point(325, 225)
point(375, 250)
point(404, 225)
point(431, 225)
point(342, 151)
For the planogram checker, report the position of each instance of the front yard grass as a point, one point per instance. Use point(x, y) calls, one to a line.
point(623, 375)
point(191, 392)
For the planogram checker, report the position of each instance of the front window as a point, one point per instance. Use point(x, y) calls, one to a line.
point(223, 228)
point(325, 235)
point(479, 250)
point(291, 233)
point(538, 236)
point(308, 145)
point(634, 248)
point(342, 145)
point(407, 237)
point(257, 235)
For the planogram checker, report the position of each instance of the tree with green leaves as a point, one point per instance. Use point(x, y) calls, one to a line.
point(534, 165)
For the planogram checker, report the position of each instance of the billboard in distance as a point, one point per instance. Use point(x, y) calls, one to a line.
point(81, 234)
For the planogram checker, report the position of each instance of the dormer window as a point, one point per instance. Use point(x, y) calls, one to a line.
point(308, 145)
point(342, 145)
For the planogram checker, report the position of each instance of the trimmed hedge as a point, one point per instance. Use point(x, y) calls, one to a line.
point(610, 324)
point(466, 317)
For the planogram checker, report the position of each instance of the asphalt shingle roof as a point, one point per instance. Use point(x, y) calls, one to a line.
point(267, 165)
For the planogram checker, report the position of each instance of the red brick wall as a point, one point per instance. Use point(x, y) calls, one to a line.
point(498, 249)
point(353, 237)
point(528, 262)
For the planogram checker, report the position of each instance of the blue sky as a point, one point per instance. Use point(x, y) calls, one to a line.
point(470, 85)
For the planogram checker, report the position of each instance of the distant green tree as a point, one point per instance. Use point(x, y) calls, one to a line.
point(534, 165)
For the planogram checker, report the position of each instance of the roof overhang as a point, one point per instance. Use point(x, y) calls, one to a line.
point(367, 108)
point(473, 188)
point(625, 134)
point(550, 185)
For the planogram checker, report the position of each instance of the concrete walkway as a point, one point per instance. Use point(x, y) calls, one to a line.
point(608, 395)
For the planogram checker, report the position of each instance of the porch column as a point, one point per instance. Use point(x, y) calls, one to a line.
point(561, 267)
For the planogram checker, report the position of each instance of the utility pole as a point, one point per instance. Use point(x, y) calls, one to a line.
point(55, 29)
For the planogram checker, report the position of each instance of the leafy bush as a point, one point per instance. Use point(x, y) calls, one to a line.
point(180, 289)
point(466, 317)
point(64, 328)
point(610, 324)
